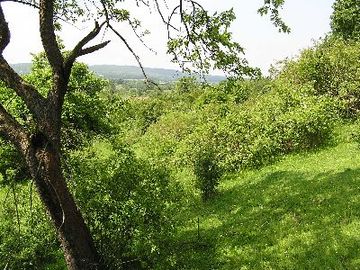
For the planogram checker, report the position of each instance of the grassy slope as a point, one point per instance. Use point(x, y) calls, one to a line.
point(300, 213)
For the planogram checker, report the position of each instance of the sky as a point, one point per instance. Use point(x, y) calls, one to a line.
point(308, 19)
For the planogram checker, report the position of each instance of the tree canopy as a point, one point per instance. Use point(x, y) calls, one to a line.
point(345, 20)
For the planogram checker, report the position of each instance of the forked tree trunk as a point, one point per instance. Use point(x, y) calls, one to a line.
point(45, 167)
point(42, 151)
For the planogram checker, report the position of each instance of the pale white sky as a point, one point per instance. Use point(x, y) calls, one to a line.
point(308, 19)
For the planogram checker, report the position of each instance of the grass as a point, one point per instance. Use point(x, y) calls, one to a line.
point(300, 213)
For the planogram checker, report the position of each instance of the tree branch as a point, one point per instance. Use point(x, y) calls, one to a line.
point(130, 49)
point(167, 23)
point(93, 48)
point(11, 130)
point(139, 37)
point(4, 32)
point(48, 37)
point(26, 3)
point(108, 24)
point(34, 101)
point(79, 51)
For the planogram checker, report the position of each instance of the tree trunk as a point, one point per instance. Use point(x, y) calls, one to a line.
point(42, 151)
point(45, 167)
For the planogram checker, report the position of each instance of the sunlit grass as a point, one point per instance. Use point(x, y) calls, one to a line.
point(300, 213)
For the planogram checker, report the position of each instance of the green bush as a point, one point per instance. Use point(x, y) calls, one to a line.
point(333, 68)
point(126, 203)
point(207, 173)
point(276, 119)
point(162, 139)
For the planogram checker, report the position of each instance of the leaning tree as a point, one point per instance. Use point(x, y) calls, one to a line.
point(196, 39)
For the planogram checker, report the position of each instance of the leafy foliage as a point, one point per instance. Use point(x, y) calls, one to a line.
point(207, 173)
point(272, 7)
point(126, 202)
point(245, 129)
point(332, 67)
point(345, 20)
point(27, 240)
point(206, 40)
point(85, 111)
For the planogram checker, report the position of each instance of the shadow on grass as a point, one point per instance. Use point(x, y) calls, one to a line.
point(287, 220)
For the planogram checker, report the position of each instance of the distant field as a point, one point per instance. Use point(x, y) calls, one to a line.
point(300, 213)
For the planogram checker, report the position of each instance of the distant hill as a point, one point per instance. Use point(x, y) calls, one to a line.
point(118, 73)
point(21, 68)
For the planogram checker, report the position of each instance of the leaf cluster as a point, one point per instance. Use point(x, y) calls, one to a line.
point(206, 43)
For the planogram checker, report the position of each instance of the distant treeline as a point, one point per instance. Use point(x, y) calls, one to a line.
point(123, 73)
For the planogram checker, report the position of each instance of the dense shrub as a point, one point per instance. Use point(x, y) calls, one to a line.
point(281, 119)
point(207, 173)
point(333, 68)
point(126, 203)
point(162, 139)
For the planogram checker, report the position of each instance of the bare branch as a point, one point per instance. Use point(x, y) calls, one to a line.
point(26, 3)
point(159, 11)
point(140, 38)
point(48, 37)
point(170, 18)
point(78, 49)
point(94, 48)
point(107, 17)
point(130, 49)
point(166, 22)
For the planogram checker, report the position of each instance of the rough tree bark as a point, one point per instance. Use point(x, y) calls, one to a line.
point(42, 150)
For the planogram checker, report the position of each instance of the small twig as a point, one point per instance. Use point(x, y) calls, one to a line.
point(137, 58)
point(167, 23)
point(198, 228)
point(140, 38)
point(30, 4)
point(16, 208)
point(133, 260)
point(31, 203)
